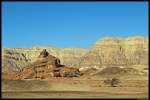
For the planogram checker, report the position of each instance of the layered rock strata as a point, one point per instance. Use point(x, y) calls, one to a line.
point(45, 67)
point(131, 52)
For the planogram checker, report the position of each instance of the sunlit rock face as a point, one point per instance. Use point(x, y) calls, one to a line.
point(16, 58)
point(106, 52)
point(44, 67)
point(117, 51)
point(13, 60)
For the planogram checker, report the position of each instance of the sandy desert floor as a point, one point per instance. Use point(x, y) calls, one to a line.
point(74, 88)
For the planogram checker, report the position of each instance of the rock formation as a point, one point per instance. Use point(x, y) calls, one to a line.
point(13, 60)
point(44, 53)
point(118, 52)
point(45, 67)
point(131, 52)
point(16, 58)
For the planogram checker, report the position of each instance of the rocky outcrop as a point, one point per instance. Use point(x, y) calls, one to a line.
point(66, 72)
point(117, 51)
point(13, 60)
point(106, 52)
point(16, 58)
point(45, 67)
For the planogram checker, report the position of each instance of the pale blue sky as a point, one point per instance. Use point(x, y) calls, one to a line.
point(70, 24)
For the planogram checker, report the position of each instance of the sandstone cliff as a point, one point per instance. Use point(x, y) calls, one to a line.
point(131, 52)
point(44, 67)
point(117, 51)
point(16, 58)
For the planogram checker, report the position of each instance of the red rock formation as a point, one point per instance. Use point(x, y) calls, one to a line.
point(45, 68)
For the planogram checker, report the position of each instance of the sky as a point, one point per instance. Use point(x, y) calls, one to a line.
point(70, 24)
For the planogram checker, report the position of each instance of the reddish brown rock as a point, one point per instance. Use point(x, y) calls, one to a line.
point(46, 67)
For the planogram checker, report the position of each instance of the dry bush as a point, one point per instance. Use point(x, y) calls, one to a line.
point(112, 82)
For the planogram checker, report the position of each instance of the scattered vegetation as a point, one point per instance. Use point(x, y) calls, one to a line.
point(112, 82)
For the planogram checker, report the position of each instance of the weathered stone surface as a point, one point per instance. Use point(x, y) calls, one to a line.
point(44, 53)
point(66, 72)
point(13, 60)
point(45, 67)
point(117, 51)
point(16, 58)
point(107, 52)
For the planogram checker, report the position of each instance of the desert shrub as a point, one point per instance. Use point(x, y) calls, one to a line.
point(112, 82)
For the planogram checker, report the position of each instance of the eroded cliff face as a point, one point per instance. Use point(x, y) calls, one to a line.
point(118, 52)
point(16, 58)
point(45, 67)
point(13, 60)
point(129, 52)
